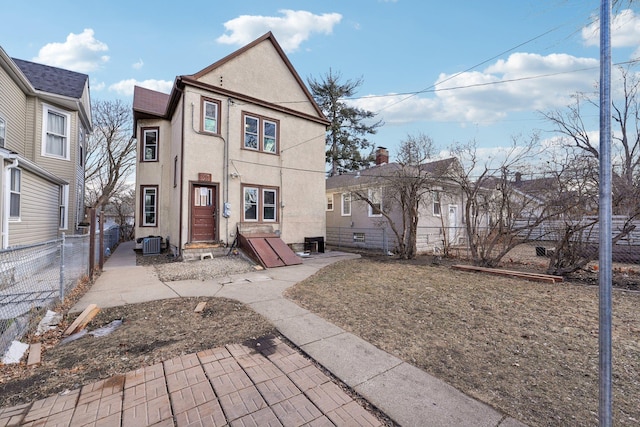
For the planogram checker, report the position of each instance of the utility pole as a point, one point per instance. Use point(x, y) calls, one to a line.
point(605, 261)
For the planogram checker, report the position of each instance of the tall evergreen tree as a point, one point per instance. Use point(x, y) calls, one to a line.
point(350, 125)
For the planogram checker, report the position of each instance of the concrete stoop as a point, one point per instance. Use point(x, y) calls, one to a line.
point(203, 251)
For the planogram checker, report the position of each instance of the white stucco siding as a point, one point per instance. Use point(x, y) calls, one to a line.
point(261, 73)
point(39, 204)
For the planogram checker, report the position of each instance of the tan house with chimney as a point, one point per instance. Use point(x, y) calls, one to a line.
point(238, 145)
point(45, 119)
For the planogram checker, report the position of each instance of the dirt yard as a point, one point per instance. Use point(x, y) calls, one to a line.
point(528, 349)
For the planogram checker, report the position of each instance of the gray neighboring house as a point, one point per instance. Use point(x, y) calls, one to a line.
point(45, 120)
point(355, 223)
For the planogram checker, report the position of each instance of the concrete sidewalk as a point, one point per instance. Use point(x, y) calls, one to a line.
point(408, 395)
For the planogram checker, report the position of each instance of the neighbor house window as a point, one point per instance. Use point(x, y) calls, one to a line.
point(436, 204)
point(81, 143)
point(346, 204)
point(211, 116)
point(330, 202)
point(375, 197)
point(55, 133)
point(260, 134)
point(64, 203)
point(260, 204)
point(149, 206)
point(3, 131)
point(358, 238)
point(14, 198)
point(150, 145)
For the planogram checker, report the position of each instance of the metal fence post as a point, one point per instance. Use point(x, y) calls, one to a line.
point(62, 267)
point(101, 250)
point(92, 241)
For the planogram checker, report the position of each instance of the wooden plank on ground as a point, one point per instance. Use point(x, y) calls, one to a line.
point(35, 353)
point(82, 320)
point(511, 273)
point(200, 307)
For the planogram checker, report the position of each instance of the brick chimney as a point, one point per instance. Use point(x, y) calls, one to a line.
point(382, 156)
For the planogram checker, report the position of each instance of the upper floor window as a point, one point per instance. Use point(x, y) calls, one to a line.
point(210, 116)
point(55, 133)
point(81, 143)
point(436, 204)
point(150, 144)
point(346, 204)
point(260, 134)
point(3, 131)
point(260, 204)
point(14, 198)
point(375, 197)
point(329, 202)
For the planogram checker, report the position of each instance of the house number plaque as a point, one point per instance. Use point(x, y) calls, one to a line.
point(204, 177)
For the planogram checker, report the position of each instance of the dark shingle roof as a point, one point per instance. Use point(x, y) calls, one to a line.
point(149, 101)
point(52, 79)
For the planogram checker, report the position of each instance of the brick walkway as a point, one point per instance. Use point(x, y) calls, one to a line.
point(233, 385)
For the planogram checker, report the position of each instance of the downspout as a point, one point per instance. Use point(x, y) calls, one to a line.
point(226, 206)
point(7, 198)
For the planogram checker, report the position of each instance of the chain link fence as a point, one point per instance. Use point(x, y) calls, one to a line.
point(33, 278)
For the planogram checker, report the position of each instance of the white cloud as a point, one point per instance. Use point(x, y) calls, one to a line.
point(138, 65)
point(80, 52)
point(625, 31)
point(291, 29)
point(125, 87)
point(97, 86)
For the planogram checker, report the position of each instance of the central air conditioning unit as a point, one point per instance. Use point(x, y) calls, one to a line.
point(151, 245)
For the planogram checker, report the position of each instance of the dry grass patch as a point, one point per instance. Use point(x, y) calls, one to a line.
point(528, 349)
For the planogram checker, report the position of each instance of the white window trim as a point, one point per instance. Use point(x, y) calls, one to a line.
point(274, 205)
point(144, 144)
point(11, 191)
point(372, 191)
point(330, 197)
point(45, 114)
point(216, 118)
point(3, 142)
point(348, 198)
point(64, 207)
point(244, 204)
point(275, 136)
point(144, 206)
point(257, 134)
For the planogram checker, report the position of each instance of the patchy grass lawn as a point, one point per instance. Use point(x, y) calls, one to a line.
point(528, 349)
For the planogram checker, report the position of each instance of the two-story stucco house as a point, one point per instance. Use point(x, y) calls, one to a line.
point(45, 117)
point(352, 222)
point(237, 145)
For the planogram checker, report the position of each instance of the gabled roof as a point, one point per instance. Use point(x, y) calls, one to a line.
point(155, 105)
point(52, 79)
point(371, 175)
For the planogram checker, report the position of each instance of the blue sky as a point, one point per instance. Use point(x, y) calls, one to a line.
point(495, 63)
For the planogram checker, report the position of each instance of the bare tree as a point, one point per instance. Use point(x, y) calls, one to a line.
point(498, 215)
point(110, 152)
point(405, 184)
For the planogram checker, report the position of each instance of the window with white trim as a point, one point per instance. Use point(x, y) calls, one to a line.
point(346, 204)
point(55, 130)
point(260, 204)
point(260, 134)
point(3, 131)
point(14, 193)
point(210, 116)
point(64, 207)
point(375, 197)
point(149, 206)
point(81, 144)
point(150, 144)
point(330, 202)
point(359, 237)
point(436, 204)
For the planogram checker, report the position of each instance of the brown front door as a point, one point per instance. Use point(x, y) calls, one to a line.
point(203, 221)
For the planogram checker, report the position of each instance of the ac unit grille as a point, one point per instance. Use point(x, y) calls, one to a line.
point(151, 245)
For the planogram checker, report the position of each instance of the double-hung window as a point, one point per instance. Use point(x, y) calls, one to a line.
point(329, 202)
point(14, 191)
point(64, 203)
point(55, 133)
point(260, 134)
point(375, 197)
point(436, 204)
point(210, 116)
point(150, 144)
point(149, 206)
point(346, 204)
point(3, 131)
point(260, 204)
